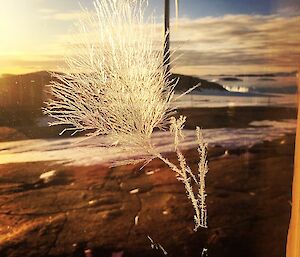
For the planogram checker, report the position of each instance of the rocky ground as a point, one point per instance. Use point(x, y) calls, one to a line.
point(100, 211)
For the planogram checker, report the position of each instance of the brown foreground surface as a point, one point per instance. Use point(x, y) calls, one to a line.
point(97, 211)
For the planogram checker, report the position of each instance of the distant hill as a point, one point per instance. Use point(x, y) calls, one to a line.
point(185, 82)
point(27, 92)
point(276, 74)
point(233, 79)
point(31, 74)
point(266, 79)
point(22, 96)
point(271, 74)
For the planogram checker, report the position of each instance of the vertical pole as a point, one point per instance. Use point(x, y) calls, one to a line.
point(293, 241)
point(167, 36)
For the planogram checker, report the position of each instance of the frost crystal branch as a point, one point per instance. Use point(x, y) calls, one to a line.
point(185, 174)
point(117, 85)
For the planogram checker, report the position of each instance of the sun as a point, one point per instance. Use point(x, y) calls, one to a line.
point(19, 34)
point(16, 25)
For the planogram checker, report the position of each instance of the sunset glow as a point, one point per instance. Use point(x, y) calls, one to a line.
point(231, 38)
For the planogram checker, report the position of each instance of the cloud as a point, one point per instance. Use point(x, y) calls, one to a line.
point(209, 45)
point(245, 40)
point(49, 14)
point(288, 7)
point(289, 11)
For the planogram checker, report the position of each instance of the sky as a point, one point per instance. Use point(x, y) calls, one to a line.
point(213, 36)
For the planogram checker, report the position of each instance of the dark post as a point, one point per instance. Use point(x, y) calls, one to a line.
point(167, 36)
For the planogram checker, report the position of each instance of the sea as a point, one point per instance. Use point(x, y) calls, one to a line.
point(245, 91)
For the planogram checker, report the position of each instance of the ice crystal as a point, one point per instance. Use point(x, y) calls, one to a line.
point(117, 85)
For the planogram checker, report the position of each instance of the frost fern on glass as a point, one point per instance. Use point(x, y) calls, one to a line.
point(117, 85)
